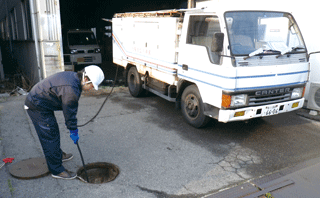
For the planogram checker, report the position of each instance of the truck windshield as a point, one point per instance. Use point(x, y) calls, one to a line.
point(263, 33)
point(82, 39)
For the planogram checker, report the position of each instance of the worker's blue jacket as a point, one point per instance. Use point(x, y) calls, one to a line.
point(60, 91)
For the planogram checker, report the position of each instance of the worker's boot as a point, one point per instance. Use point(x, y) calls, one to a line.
point(66, 156)
point(65, 175)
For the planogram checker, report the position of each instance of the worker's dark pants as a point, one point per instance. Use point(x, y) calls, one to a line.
point(47, 129)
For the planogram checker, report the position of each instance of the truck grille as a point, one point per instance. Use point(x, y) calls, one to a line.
point(88, 59)
point(263, 100)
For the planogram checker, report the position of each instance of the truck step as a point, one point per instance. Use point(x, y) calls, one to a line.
point(158, 93)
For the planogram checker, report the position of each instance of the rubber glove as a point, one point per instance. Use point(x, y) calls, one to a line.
point(74, 135)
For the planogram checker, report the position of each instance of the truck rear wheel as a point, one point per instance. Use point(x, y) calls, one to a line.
point(192, 107)
point(134, 82)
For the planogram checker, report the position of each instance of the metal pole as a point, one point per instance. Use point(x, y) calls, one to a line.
point(35, 35)
point(7, 25)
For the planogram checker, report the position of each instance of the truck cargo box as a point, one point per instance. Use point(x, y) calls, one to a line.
point(142, 39)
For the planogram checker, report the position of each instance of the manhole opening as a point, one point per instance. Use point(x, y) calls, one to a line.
point(98, 172)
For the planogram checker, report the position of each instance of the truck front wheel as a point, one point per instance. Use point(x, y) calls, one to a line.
point(134, 82)
point(192, 107)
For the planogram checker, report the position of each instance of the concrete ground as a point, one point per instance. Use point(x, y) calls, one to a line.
point(156, 158)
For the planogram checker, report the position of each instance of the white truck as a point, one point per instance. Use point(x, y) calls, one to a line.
point(230, 65)
point(81, 48)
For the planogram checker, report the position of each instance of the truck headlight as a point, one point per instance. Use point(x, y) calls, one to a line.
point(297, 92)
point(239, 100)
point(73, 51)
point(97, 50)
point(234, 100)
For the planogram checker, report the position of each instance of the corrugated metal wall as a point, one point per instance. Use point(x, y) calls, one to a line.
point(31, 30)
point(50, 43)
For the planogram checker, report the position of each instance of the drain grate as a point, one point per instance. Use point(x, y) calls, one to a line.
point(99, 172)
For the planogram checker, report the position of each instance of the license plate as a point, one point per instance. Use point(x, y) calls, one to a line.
point(272, 110)
point(80, 60)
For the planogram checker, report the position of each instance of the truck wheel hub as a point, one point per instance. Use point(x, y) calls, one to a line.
point(192, 106)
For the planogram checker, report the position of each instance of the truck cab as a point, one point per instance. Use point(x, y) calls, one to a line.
point(254, 63)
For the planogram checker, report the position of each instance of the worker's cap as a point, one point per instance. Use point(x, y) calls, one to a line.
point(95, 74)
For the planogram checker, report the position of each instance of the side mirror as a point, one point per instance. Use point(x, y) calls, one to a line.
point(217, 42)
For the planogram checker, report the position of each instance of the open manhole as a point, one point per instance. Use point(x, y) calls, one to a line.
point(98, 172)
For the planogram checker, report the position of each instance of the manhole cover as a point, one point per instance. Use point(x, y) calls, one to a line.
point(99, 172)
point(29, 168)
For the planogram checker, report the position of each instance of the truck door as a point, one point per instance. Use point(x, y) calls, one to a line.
point(197, 52)
point(199, 61)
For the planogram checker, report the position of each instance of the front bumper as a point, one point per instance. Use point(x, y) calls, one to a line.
point(259, 111)
point(82, 59)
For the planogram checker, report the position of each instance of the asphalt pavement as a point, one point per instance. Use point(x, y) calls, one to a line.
point(299, 181)
point(18, 140)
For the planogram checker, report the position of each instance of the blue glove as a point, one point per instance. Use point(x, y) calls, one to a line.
point(74, 135)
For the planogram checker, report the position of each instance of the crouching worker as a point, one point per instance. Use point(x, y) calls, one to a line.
point(60, 91)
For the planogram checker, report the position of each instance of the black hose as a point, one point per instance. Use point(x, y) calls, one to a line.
point(84, 166)
point(114, 83)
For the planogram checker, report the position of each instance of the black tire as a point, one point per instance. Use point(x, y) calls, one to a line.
point(134, 82)
point(192, 107)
